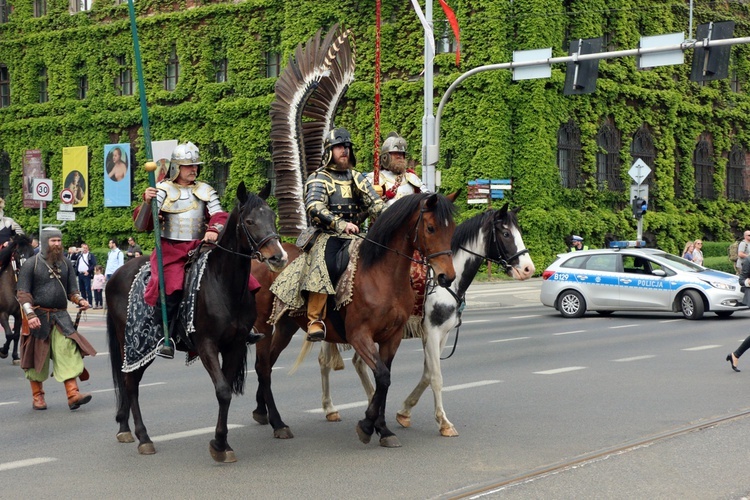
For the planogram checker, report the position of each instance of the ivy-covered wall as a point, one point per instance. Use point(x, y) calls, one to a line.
point(492, 127)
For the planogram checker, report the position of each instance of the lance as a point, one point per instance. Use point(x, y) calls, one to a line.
point(165, 350)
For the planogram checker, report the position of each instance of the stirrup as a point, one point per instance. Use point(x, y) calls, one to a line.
point(253, 337)
point(319, 335)
point(165, 351)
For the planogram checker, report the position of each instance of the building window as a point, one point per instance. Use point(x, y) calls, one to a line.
point(173, 70)
point(79, 5)
point(4, 86)
point(220, 69)
point(643, 148)
point(446, 42)
point(737, 175)
point(43, 84)
point(83, 82)
point(40, 8)
point(124, 79)
point(218, 159)
point(4, 11)
point(569, 154)
point(608, 159)
point(703, 164)
point(4, 174)
point(273, 64)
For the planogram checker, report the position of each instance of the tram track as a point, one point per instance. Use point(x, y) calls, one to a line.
point(495, 488)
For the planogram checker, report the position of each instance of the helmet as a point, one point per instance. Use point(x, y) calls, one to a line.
point(46, 234)
point(333, 138)
point(183, 154)
point(394, 143)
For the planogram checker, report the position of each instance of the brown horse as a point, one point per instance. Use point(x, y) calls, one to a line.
point(11, 258)
point(382, 301)
point(224, 312)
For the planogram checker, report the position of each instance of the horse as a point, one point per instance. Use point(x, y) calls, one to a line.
point(381, 302)
point(224, 313)
point(493, 236)
point(12, 258)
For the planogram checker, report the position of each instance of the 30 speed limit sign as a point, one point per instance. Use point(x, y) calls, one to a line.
point(42, 190)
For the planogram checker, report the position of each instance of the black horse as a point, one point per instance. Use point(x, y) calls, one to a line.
point(224, 313)
point(11, 259)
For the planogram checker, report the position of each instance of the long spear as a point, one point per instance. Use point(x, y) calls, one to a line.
point(166, 350)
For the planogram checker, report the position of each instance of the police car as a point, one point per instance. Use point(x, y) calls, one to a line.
point(637, 279)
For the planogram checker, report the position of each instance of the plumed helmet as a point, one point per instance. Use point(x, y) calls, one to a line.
point(333, 138)
point(46, 234)
point(183, 154)
point(394, 143)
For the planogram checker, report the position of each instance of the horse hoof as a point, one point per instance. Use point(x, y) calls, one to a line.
point(17, 362)
point(363, 436)
point(146, 449)
point(125, 437)
point(3, 354)
point(224, 457)
point(403, 420)
point(261, 418)
point(449, 432)
point(333, 417)
point(390, 442)
point(283, 433)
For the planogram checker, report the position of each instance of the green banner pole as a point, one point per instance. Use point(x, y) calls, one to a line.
point(166, 350)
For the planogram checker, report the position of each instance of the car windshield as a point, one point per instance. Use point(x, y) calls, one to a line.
point(681, 264)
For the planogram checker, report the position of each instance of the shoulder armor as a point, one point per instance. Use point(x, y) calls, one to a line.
point(172, 191)
point(203, 191)
point(413, 179)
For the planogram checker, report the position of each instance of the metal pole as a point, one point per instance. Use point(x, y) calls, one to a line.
point(428, 119)
point(166, 350)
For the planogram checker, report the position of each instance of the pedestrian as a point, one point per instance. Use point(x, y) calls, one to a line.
point(84, 263)
point(577, 244)
point(687, 252)
point(35, 244)
point(97, 285)
point(743, 251)
point(133, 247)
point(45, 284)
point(115, 259)
point(8, 227)
point(698, 252)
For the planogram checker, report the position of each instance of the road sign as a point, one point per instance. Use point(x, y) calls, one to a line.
point(66, 195)
point(66, 216)
point(639, 171)
point(41, 190)
point(639, 191)
point(66, 207)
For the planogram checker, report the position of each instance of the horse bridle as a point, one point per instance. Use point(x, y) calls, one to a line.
point(255, 246)
point(500, 261)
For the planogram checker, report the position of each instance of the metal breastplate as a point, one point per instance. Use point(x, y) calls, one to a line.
point(184, 214)
point(342, 200)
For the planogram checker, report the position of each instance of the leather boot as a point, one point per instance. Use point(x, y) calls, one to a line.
point(75, 398)
point(254, 337)
point(316, 313)
point(38, 392)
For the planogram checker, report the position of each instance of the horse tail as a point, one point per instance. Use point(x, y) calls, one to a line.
point(306, 348)
point(330, 357)
point(238, 384)
point(115, 359)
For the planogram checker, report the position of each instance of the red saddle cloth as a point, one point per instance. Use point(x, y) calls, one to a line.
point(418, 276)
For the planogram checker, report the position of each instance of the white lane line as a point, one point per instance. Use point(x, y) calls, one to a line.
point(524, 317)
point(634, 358)
point(447, 346)
point(195, 432)
point(623, 326)
point(272, 369)
point(140, 386)
point(475, 321)
point(560, 370)
point(26, 463)
point(701, 348)
point(568, 333)
point(670, 320)
point(5, 403)
point(458, 387)
point(508, 340)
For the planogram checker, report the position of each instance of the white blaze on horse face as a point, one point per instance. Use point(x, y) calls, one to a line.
point(525, 268)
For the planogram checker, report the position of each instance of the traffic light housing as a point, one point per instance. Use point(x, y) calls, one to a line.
point(580, 76)
point(712, 63)
point(639, 207)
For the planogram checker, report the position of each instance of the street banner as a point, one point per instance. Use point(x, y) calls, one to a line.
point(162, 151)
point(32, 169)
point(75, 174)
point(117, 175)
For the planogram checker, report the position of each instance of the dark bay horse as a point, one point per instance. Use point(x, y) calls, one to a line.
point(224, 312)
point(11, 258)
point(382, 301)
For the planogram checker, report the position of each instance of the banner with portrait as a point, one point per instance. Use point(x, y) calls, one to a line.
point(75, 174)
point(162, 151)
point(117, 175)
point(32, 169)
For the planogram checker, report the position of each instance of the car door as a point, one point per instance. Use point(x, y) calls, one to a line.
point(639, 288)
point(599, 282)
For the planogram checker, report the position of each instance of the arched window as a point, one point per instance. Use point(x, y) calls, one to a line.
point(569, 154)
point(703, 163)
point(4, 174)
point(608, 158)
point(642, 148)
point(737, 174)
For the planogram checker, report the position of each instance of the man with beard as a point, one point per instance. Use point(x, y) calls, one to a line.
point(394, 179)
point(45, 284)
point(335, 195)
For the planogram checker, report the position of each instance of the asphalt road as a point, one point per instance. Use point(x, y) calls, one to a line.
point(527, 390)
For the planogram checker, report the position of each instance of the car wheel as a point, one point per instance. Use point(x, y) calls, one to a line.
point(604, 313)
point(724, 314)
point(571, 304)
point(691, 305)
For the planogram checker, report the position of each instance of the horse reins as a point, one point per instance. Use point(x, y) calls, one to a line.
point(255, 246)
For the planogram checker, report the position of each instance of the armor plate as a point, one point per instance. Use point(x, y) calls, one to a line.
point(184, 209)
point(334, 198)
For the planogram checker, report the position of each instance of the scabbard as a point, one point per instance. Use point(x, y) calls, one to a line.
point(143, 220)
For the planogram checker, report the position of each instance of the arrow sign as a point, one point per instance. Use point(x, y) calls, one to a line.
point(639, 171)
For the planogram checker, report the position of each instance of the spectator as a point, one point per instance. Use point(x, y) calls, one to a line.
point(98, 286)
point(687, 252)
point(577, 244)
point(698, 252)
point(133, 247)
point(84, 263)
point(115, 259)
point(743, 251)
point(35, 244)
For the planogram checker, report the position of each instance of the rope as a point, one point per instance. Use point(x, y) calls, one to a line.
point(376, 153)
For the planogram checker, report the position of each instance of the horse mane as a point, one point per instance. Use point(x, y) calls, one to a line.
point(20, 240)
point(375, 246)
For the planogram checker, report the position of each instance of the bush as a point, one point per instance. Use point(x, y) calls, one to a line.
point(719, 263)
point(716, 249)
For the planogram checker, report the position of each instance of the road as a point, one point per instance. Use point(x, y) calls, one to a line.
point(528, 392)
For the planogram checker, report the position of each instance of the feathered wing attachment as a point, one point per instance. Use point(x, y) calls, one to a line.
point(308, 92)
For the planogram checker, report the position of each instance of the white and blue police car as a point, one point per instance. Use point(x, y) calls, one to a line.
point(628, 278)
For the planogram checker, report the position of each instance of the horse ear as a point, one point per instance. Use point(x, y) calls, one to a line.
point(242, 193)
point(431, 201)
point(453, 196)
point(500, 214)
point(265, 192)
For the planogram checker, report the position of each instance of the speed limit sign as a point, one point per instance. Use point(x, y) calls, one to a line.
point(42, 190)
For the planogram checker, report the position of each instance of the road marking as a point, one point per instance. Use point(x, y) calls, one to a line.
point(195, 432)
point(140, 386)
point(634, 358)
point(9, 403)
point(508, 340)
point(475, 321)
point(701, 348)
point(560, 370)
point(670, 320)
point(362, 404)
point(105, 353)
point(623, 326)
point(480, 293)
point(272, 369)
point(524, 317)
point(568, 333)
point(26, 463)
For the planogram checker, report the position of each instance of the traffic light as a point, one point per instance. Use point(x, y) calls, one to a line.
point(712, 63)
point(639, 207)
point(580, 76)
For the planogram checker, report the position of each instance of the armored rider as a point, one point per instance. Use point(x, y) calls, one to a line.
point(394, 179)
point(8, 227)
point(45, 284)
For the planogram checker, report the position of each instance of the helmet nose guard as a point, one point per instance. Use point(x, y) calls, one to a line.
point(334, 138)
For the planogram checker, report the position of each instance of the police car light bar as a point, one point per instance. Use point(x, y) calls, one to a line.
point(627, 244)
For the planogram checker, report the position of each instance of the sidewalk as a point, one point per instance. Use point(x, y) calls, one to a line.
point(506, 293)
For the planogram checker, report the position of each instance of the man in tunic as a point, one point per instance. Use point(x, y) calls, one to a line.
point(8, 227)
point(394, 179)
point(45, 284)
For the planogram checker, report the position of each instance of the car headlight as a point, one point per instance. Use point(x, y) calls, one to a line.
point(721, 285)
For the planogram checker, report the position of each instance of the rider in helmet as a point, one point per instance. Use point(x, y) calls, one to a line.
point(335, 195)
point(394, 179)
point(8, 227)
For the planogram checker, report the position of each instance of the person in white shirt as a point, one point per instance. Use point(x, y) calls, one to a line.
point(84, 263)
point(115, 259)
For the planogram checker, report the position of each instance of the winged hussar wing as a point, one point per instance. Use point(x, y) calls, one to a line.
point(307, 94)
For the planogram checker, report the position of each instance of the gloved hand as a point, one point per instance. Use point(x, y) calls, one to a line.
point(379, 190)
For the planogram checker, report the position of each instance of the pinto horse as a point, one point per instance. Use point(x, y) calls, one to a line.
point(382, 300)
point(224, 312)
point(493, 236)
point(11, 258)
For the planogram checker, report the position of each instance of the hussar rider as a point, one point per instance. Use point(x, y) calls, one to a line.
point(394, 179)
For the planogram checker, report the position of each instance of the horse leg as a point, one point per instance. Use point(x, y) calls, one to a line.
point(8, 336)
point(329, 355)
point(219, 446)
point(132, 382)
point(16, 339)
point(283, 333)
